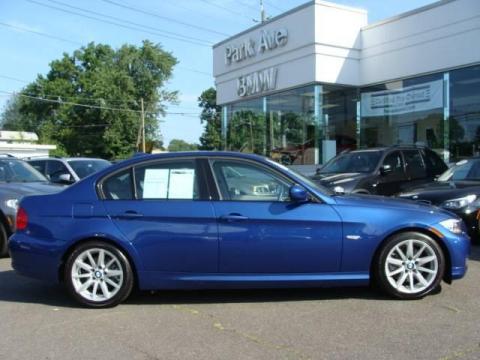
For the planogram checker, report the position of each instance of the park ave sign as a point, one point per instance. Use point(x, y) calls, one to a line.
point(258, 81)
point(269, 40)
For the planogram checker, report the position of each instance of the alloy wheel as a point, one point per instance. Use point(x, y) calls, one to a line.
point(97, 275)
point(411, 266)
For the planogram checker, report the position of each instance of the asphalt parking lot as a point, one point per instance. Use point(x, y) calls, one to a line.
point(39, 321)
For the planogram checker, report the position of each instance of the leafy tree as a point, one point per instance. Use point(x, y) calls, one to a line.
point(181, 145)
point(109, 83)
point(211, 139)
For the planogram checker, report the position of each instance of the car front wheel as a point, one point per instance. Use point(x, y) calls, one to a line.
point(410, 266)
point(98, 274)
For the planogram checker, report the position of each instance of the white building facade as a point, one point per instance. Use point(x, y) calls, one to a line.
point(23, 144)
point(319, 79)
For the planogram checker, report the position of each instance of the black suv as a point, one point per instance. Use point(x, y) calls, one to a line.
point(381, 171)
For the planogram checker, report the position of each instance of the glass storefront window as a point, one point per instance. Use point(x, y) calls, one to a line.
point(291, 127)
point(404, 112)
point(312, 124)
point(464, 121)
point(338, 109)
point(246, 130)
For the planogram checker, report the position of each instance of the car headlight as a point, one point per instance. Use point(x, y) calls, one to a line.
point(12, 204)
point(453, 225)
point(460, 202)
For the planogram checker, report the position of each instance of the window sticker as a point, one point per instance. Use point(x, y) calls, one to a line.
point(181, 184)
point(155, 184)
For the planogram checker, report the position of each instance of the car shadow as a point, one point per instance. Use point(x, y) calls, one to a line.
point(254, 295)
point(19, 289)
point(475, 253)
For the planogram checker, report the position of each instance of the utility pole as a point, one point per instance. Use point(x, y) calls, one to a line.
point(143, 125)
point(263, 16)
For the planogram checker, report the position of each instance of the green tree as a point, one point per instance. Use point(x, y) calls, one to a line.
point(109, 84)
point(181, 145)
point(211, 139)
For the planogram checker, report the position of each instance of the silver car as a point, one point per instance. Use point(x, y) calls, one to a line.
point(67, 170)
point(17, 179)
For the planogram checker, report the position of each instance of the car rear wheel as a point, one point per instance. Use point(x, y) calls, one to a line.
point(410, 266)
point(3, 241)
point(98, 274)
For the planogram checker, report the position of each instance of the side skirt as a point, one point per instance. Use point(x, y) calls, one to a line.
point(159, 281)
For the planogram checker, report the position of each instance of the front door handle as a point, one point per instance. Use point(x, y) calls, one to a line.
point(233, 217)
point(131, 214)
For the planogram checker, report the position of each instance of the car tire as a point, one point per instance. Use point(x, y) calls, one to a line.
point(98, 274)
point(3, 241)
point(409, 266)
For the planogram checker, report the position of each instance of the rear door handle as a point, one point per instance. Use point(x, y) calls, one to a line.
point(233, 217)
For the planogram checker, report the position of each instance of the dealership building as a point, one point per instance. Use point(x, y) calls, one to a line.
point(319, 79)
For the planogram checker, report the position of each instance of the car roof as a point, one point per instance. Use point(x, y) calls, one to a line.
point(35, 158)
point(394, 147)
point(82, 159)
point(196, 154)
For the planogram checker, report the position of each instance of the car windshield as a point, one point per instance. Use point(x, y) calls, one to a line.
point(304, 179)
point(463, 170)
point(86, 167)
point(354, 162)
point(13, 170)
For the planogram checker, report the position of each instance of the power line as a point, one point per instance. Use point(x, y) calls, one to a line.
point(59, 101)
point(274, 6)
point(136, 26)
point(14, 79)
point(151, 13)
point(128, 21)
point(40, 33)
point(80, 44)
point(225, 8)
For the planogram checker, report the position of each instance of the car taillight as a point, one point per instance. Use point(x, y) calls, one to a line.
point(22, 219)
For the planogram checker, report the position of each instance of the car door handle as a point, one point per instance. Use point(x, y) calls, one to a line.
point(131, 214)
point(233, 217)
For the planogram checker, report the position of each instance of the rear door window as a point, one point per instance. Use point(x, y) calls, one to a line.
point(414, 164)
point(435, 165)
point(167, 181)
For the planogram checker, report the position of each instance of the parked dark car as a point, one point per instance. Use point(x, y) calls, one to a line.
point(68, 170)
point(380, 171)
point(457, 190)
point(17, 179)
point(201, 220)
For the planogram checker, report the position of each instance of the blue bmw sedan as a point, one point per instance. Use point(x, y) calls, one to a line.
point(228, 220)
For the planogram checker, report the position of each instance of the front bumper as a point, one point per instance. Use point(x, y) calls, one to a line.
point(458, 246)
point(471, 222)
point(36, 258)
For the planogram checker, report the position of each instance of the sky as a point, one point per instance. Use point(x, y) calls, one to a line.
point(186, 28)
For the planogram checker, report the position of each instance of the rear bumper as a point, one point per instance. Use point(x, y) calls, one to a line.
point(36, 258)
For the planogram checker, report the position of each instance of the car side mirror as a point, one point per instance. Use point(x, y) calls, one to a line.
point(386, 169)
point(298, 194)
point(65, 179)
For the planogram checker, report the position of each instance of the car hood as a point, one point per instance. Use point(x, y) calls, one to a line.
point(18, 190)
point(440, 191)
point(387, 202)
